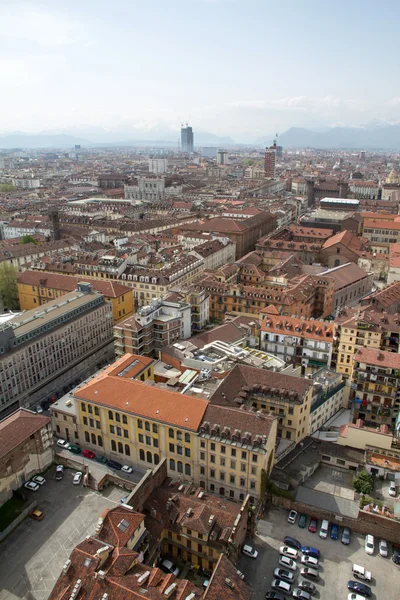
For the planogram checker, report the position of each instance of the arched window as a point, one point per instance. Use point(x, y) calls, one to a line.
point(87, 437)
point(93, 436)
point(156, 459)
point(171, 433)
point(149, 457)
point(99, 440)
point(337, 263)
point(141, 454)
point(120, 448)
point(180, 467)
point(188, 470)
point(172, 464)
point(127, 450)
point(202, 484)
point(113, 445)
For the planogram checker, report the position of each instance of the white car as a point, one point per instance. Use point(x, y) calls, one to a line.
point(292, 516)
point(63, 444)
point(31, 485)
point(310, 561)
point(383, 548)
point(289, 552)
point(284, 561)
point(77, 478)
point(39, 410)
point(354, 596)
point(126, 469)
point(249, 551)
point(392, 489)
point(369, 544)
point(39, 479)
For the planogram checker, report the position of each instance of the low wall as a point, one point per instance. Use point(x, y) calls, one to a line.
point(376, 525)
point(17, 521)
point(110, 478)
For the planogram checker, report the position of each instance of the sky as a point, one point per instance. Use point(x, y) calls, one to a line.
point(244, 68)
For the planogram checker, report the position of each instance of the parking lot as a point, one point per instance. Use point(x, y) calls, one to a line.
point(335, 566)
point(32, 556)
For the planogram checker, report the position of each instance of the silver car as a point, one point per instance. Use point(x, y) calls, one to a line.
point(383, 548)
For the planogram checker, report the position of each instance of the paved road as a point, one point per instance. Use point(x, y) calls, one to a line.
point(336, 561)
point(32, 556)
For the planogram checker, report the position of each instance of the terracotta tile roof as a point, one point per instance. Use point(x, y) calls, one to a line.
point(110, 531)
point(16, 428)
point(372, 223)
point(345, 275)
point(346, 238)
point(144, 400)
point(379, 358)
point(385, 297)
point(238, 420)
point(109, 288)
point(291, 326)
point(226, 583)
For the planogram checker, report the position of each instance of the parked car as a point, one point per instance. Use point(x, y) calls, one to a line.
point(346, 536)
point(281, 586)
point(383, 548)
point(39, 409)
point(396, 557)
point(302, 594)
point(359, 588)
point(292, 542)
point(100, 459)
point(392, 489)
point(284, 574)
point(334, 532)
point(75, 449)
point(168, 567)
point(310, 561)
point(271, 595)
point(39, 479)
point(287, 563)
point(63, 444)
point(302, 521)
point(113, 464)
point(36, 514)
point(310, 551)
point(249, 551)
point(88, 454)
point(77, 478)
point(307, 586)
point(361, 573)
point(324, 529)
point(127, 469)
point(59, 472)
point(369, 544)
point(309, 573)
point(31, 485)
point(353, 596)
point(313, 526)
point(292, 516)
point(289, 552)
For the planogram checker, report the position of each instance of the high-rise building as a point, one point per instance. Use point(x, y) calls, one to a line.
point(279, 151)
point(187, 139)
point(222, 157)
point(270, 160)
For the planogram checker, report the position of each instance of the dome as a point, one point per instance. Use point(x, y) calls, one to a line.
point(393, 177)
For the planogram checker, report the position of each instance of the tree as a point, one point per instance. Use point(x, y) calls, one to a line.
point(363, 483)
point(8, 286)
point(28, 239)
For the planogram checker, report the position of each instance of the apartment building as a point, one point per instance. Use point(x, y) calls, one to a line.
point(381, 232)
point(16, 229)
point(36, 288)
point(152, 327)
point(216, 253)
point(351, 283)
point(285, 397)
point(26, 449)
point(63, 418)
point(47, 348)
point(364, 189)
point(24, 254)
point(298, 341)
point(375, 387)
point(330, 394)
point(386, 300)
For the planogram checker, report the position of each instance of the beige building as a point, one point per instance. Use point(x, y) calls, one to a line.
point(356, 435)
point(63, 418)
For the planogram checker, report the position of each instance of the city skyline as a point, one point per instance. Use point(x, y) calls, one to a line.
point(151, 67)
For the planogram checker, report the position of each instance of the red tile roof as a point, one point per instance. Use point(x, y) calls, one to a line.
point(15, 429)
point(378, 358)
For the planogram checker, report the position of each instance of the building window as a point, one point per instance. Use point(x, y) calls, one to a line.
point(213, 446)
point(232, 479)
point(252, 485)
point(171, 433)
point(202, 470)
point(147, 426)
point(339, 461)
point(188, 470)
point(202, 456)
point(85, 421)
point(179, 467)
point(212, 489)
point(242, 482)
point(187, 452)
point(113, 446)
point(127, 450)
point(120, 448)
point(126, 433)
point(212, 472)
point(172, 447)
point(125, 419)
point(83, 407)
point(141, 438)
point(179, 450)
point(99, 440)
point(149, 457)
point(148, 440)
point(141, 454)
point(223, 449)
point(172, 464)
point(156, 459)
point(187, 438)
point(140, 424)
point(87, 436)
point(179, 435)
point(58, 428)
point(155, 442)
point(202, 444)
point(243, 467)
point(155, 428)
point(222, 476)
point(254, 458)
point(92, 435)
point(110, 415)
point(212, 458)
point(118, 417)
point(112, 429)
point(244, 455)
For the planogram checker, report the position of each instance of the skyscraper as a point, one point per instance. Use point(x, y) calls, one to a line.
point(270, 160)
point(187, 139)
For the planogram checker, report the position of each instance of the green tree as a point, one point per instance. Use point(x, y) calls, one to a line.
point(7, 187)
point(362, 482)
point(8, 286)
point(28, 239)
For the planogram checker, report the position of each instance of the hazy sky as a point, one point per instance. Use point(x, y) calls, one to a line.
point(239, 67)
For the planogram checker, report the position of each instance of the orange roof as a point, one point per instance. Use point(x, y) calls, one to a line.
point(379, 358)
point(371, 223)
point(303, 328)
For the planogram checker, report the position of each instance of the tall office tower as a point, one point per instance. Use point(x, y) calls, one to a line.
point(362, 155)
point(270, 160)
point(279, 151)
point(46, 349)
point(222, 157)
point(187, 139)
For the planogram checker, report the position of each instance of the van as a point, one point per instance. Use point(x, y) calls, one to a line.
point(323, 532)
point(361, 573)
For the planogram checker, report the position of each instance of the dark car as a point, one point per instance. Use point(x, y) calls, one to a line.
point(113, 464)
point(359, 588)
point(292, 542)
point(309, 551)
point(75, 449)
point(396, 557)
point(302, 521)
point(271, 595)
point(334, 532)
point(313, 526)
point(307, 586)
point(100, 459)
